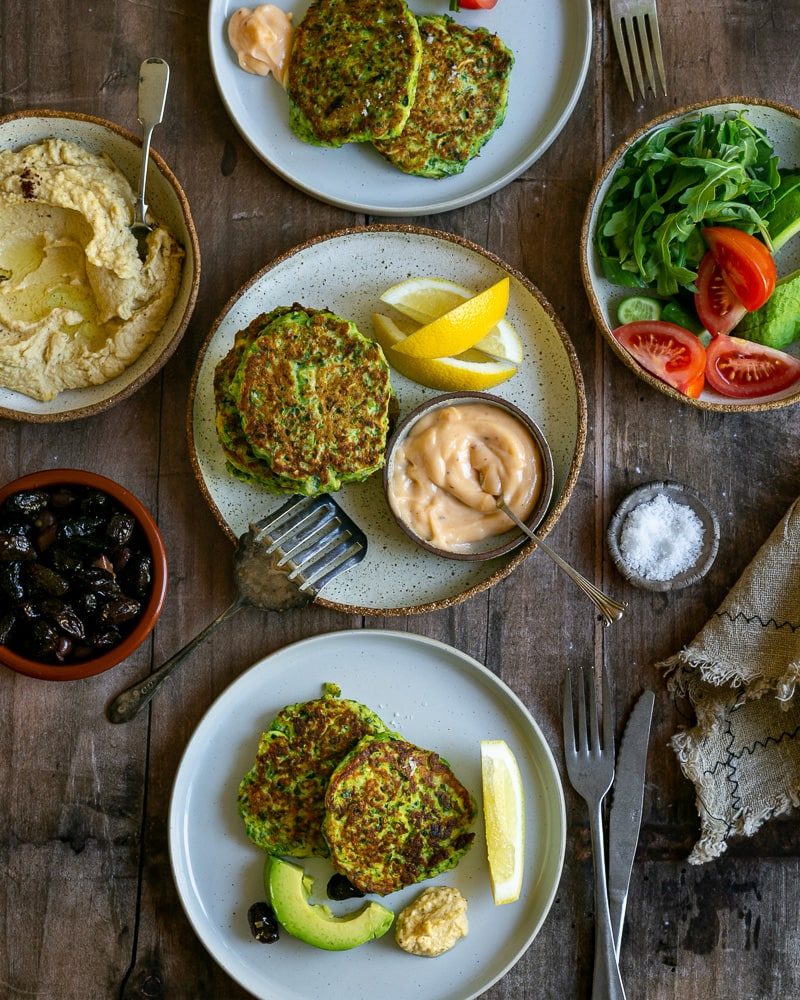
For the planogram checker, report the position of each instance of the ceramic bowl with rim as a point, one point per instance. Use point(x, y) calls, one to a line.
point(48, 479)
point(678, 493)
point(168, 205)
point(496, 545)
point(781, 123)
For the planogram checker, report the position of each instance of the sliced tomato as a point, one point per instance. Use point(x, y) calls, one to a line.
point(717, 307)
point(740, 368)
point(472, 4)
point(746, 263)
point(667, 351)
point(695, 388)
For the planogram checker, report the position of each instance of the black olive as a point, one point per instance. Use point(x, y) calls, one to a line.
point(97, 581)
point(11, 585)
point(69, 623)
point(123, 610)
point(7, 623)
point(46, 537)
point(28, 503)
point(120, 528)
point(104, 638)
point(88, 605)
point(73, 528)
point(138, 575)
point(15, 545)
point(46, 580)
point(44, 639)
point(340, 887)
point(63, 648)
point(62, 561)
point(263, 924)
point(122, 558)
point(29, 611)
point(95, 502)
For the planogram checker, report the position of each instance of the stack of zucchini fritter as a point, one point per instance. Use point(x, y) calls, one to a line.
point(427, 91)
point(302, 401)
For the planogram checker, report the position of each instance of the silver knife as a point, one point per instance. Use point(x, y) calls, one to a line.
point(625, 818)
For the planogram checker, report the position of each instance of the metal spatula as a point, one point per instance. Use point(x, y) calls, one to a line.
point(282, 562)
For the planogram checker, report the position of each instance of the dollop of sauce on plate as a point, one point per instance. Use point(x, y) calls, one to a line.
point(433, 923)
point(262, 38)
point(448, 470)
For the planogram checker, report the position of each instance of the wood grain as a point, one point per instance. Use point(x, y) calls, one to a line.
point(88, 899)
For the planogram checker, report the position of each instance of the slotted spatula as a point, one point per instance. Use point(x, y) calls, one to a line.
point(282, 562)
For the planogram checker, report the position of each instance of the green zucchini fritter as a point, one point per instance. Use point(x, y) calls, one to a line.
point(302, 402)
point(395, 814)
point(282, 797)
point(353, 71)
point(461, 99)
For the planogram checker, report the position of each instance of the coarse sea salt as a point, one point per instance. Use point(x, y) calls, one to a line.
point(661, 538)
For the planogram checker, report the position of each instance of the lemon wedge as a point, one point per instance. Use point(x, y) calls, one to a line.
point(426, 299)
point(471, 371)
point(460, 328)
point(504, 814)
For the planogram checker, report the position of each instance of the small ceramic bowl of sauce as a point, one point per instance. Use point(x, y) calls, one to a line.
point(447, 462)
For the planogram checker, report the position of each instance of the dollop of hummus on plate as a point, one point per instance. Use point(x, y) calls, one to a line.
point(77, 305)
point(433, 923)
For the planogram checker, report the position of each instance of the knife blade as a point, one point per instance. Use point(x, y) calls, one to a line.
point(625, 818)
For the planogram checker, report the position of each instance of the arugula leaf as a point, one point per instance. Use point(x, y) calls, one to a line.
point(672, 183)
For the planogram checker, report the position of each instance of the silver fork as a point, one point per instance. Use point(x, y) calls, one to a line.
point(637, 22)
point(590, 766)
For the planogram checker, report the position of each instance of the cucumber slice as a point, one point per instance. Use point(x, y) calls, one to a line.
point(636, 308)
point(675, 313)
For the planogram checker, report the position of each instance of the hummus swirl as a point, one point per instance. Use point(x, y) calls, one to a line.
point(77, 305)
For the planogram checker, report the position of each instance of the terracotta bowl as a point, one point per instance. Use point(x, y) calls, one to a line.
point(781, 123)
point(167, 203)
point(155, 602)
point(497, 545)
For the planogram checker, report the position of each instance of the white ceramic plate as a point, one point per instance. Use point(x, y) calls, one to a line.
point(434, 696)
point(782, 125)
point(168, 205)
point(346, 272)
point(551, 42)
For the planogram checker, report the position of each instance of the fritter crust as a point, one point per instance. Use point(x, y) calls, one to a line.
point(282, 797)
point(353, 71)
point(461, 99)
point(395, 814)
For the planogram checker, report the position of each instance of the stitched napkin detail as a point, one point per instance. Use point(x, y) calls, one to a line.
point(740, 674)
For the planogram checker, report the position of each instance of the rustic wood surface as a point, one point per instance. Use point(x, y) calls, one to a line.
point(88, 902)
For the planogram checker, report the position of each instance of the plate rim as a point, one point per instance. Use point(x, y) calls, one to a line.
point(587, 248)
point(557, 507)
point(466, 662)
point(432, 207)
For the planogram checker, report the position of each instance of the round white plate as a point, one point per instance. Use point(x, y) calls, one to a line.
point(346, 272)
point(782, 126)
point(551, 42)
point(434, 696)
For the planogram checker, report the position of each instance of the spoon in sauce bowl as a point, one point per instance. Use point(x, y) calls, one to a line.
point(610, 609)
point(153, 83)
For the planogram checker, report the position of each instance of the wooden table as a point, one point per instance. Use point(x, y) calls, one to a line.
point(90, 910)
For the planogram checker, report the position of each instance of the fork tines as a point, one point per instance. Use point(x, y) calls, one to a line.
point(314, 539)
point(635, 24)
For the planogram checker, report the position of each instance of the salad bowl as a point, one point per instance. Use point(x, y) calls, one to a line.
point(780, 124)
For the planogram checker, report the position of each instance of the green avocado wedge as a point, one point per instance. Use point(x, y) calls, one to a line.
point(288, 888)
point(777, 323)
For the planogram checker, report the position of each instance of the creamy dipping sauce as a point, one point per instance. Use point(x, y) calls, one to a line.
point(448, 470)
point(261, 37)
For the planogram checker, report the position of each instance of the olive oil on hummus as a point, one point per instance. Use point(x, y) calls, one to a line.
point(77, 305)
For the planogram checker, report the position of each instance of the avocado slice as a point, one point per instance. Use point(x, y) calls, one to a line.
point(288, 888)
point(777, 323)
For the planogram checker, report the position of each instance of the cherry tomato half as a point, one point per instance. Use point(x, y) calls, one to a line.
point(717, 307)
point(746, 263)
point(472, 4)
point(667, 351)
point(740, 368)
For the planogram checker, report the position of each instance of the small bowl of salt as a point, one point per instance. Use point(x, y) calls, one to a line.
point(663, 536)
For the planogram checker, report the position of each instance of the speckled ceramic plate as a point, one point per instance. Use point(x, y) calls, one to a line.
point(167, 203)
point(551, 42)
point(436, 697)
point(782, 125)
point(346, 272)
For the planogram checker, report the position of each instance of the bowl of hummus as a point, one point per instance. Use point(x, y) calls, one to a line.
point(448, 463)
point(84, 320)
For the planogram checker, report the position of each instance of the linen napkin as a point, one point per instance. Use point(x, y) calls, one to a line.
point(740, 674)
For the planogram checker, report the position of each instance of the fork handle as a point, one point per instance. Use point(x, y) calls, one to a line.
point(606, 981)
point(131, 701)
